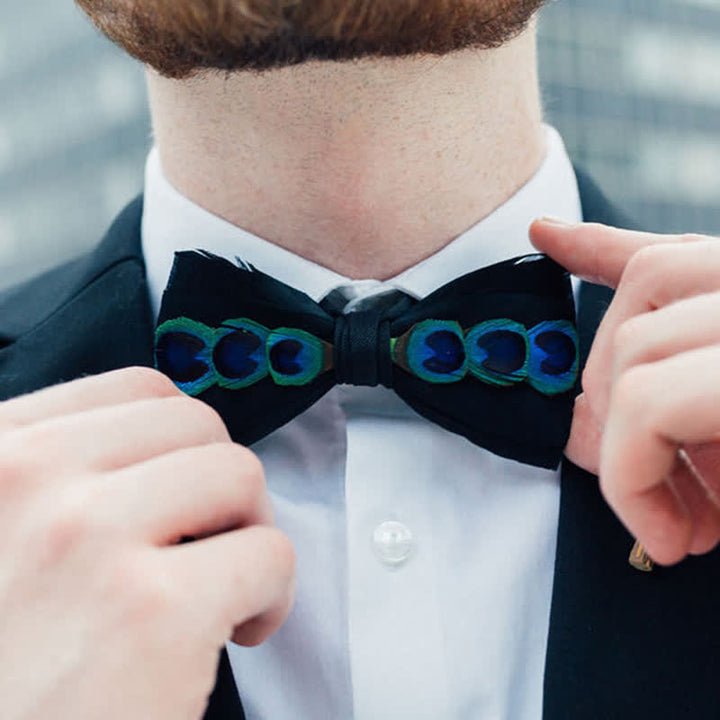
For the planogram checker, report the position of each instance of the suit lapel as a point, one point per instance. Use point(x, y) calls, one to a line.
point(87, 317)
point(624, 644)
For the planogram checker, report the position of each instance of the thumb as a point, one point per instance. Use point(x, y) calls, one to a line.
point(597, 253)
point(583, 448)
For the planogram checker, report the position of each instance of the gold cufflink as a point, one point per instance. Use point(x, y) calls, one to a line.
point(639, 558)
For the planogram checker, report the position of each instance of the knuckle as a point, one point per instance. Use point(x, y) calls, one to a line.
point(147, 382)
point(64, 528)
point(19, 463)
point(626, 339)
point(252, 467)
point(644, 266)
point(244, 464)
point(633, 391)
point(239, 456)
point(281, 549)
point(274, 577)
point(243, 469)
point(591, 382)
point(595, 228)
point(204, 416)
point(7, 425)
point(141, 589)
point(625, 335)
point(27, 441)
point(14, 475)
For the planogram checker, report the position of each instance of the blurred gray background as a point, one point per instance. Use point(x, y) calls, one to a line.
point(633, 85)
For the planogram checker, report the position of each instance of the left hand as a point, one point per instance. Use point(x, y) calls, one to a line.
point(651, 386)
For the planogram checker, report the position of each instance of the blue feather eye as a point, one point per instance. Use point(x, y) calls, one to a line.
point(239, 355)
point(436, 351)
point(183, 352)
point(294, 357)
point(553, 366)
point(498, 352)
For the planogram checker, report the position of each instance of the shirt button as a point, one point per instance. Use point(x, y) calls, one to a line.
point(392, 543)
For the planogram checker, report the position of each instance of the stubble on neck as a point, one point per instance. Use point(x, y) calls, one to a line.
point(366, 167)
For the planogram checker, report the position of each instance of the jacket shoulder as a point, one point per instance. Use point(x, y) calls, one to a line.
point(86, 317)
point(596, 207)
point(31, 302)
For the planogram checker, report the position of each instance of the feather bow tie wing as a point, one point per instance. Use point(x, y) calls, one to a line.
point(224, 328)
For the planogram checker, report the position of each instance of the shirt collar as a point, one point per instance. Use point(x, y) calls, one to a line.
point(172, 222)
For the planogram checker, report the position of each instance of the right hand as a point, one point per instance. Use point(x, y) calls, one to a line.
point(102, 613)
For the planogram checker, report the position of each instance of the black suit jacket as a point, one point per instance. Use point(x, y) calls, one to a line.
point(622, 644)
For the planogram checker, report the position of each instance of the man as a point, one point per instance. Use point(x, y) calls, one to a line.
point(381, 148)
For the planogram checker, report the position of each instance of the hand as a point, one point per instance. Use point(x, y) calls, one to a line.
point(649, 417)
point(102, 613)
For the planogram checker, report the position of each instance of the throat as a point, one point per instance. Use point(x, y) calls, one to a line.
point(364, 167)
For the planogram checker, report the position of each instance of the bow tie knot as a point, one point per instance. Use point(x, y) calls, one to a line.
point(362, 350)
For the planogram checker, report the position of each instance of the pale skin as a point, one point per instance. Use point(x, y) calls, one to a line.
point(106, 615)
point(366, 168)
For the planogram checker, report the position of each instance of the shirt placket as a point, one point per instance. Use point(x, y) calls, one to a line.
point(395, 632)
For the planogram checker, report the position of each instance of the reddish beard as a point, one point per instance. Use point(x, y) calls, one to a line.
point(181, 37)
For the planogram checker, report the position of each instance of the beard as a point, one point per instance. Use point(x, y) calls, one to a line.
point(179, 38)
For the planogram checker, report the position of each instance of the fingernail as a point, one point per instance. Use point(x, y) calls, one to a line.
point(554, 221)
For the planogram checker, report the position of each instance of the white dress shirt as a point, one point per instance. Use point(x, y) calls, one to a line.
point(425, 564)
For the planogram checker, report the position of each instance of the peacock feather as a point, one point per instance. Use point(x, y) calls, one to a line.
point(294, 357)
point(183, 352)
point(435, 351)
point(553, 366)
point(239, 355)
point(498, 352)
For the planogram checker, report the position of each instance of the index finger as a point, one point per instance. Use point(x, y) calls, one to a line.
point(90, 393)
point(594, 252)
point(239, 576)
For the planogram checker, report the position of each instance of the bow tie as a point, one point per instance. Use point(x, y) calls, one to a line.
point(492, 356)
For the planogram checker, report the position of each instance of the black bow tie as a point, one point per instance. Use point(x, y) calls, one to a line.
point(492, 356)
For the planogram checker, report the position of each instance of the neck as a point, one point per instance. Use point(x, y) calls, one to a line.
point(365, 167)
